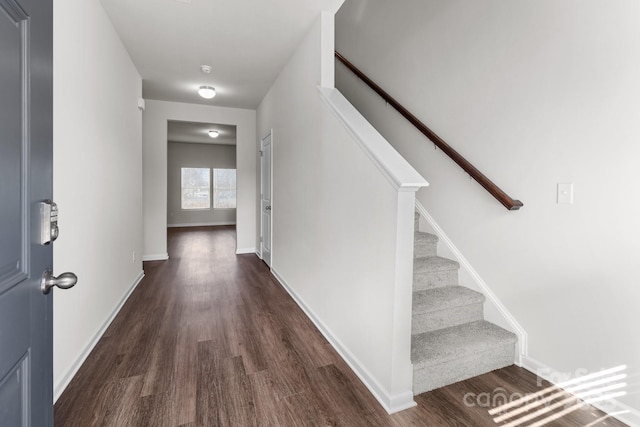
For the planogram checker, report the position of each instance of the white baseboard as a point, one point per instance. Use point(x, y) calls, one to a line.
point(390, 403)
point(156, 257)
point(622, 412)
point(242, 251)
point(61, 385)
point(486, 290)
point(201, 224)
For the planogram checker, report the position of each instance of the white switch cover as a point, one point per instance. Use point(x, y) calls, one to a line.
point(565, 194)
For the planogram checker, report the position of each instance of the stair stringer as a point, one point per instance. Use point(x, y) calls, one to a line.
point(494, 310)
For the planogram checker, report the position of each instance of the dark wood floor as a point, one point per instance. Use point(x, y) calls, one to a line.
point(209, 338)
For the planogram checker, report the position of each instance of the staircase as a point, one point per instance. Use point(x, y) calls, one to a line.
point(450, 340)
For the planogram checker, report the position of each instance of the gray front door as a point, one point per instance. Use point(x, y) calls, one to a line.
point(26, 131)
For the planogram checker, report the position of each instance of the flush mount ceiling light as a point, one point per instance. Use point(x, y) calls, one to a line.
point(214, 133)
point(207, 92)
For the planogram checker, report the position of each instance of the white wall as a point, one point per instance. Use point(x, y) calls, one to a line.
point(533, 94)
point(336, 225)
point(191, 155)
point(155, 118)
point(97, 178)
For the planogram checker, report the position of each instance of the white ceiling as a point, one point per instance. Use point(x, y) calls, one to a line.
point(178, 131)
point(247, 42)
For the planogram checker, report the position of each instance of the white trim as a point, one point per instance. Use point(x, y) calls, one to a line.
point(156, 257)
point(242, 251)
point(631, 415)
point(393, 166)
point(516, 327)
point(402, 294)
point(201, 224)
point(327, 49)
point(390, 403)
point(66, 378)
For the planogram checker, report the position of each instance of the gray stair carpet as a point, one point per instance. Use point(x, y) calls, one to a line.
point(434, 272)
point(451, 341)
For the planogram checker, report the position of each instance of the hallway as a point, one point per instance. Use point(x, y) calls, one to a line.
point(210, 338)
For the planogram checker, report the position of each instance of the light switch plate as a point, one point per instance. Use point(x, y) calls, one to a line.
point(565, 194)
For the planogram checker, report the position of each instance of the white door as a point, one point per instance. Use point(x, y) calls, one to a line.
point(265, 173)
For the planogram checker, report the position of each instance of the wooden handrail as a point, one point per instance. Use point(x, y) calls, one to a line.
point(488, 185)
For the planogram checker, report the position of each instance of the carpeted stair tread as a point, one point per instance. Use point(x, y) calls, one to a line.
point(437, 299)
point(457, 342)
point(450, 342)
point(434, 263)
point(421, 236)
point(424, 245)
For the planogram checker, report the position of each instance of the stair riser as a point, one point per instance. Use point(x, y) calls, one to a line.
point(427, 322)
point(435, 279)
point(435, 376)
point(424, 249)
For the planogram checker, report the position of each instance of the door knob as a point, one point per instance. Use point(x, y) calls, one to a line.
point(63, 281)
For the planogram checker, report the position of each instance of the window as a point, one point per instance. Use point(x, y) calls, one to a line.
point(224, 188)
point(196, 188)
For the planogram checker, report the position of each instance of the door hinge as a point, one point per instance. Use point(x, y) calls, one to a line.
point(261, 153)
point(261, 240)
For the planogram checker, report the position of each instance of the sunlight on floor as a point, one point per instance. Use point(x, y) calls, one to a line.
point(564, 398)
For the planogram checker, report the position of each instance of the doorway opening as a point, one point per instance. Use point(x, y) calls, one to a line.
point(201, 174)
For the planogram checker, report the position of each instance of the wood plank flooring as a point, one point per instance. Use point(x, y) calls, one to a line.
point(210, 338)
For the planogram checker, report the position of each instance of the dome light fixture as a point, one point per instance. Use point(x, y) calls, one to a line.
point(214, 133)
point(207, 92)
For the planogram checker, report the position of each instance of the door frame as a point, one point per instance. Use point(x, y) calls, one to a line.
point(269, 133)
